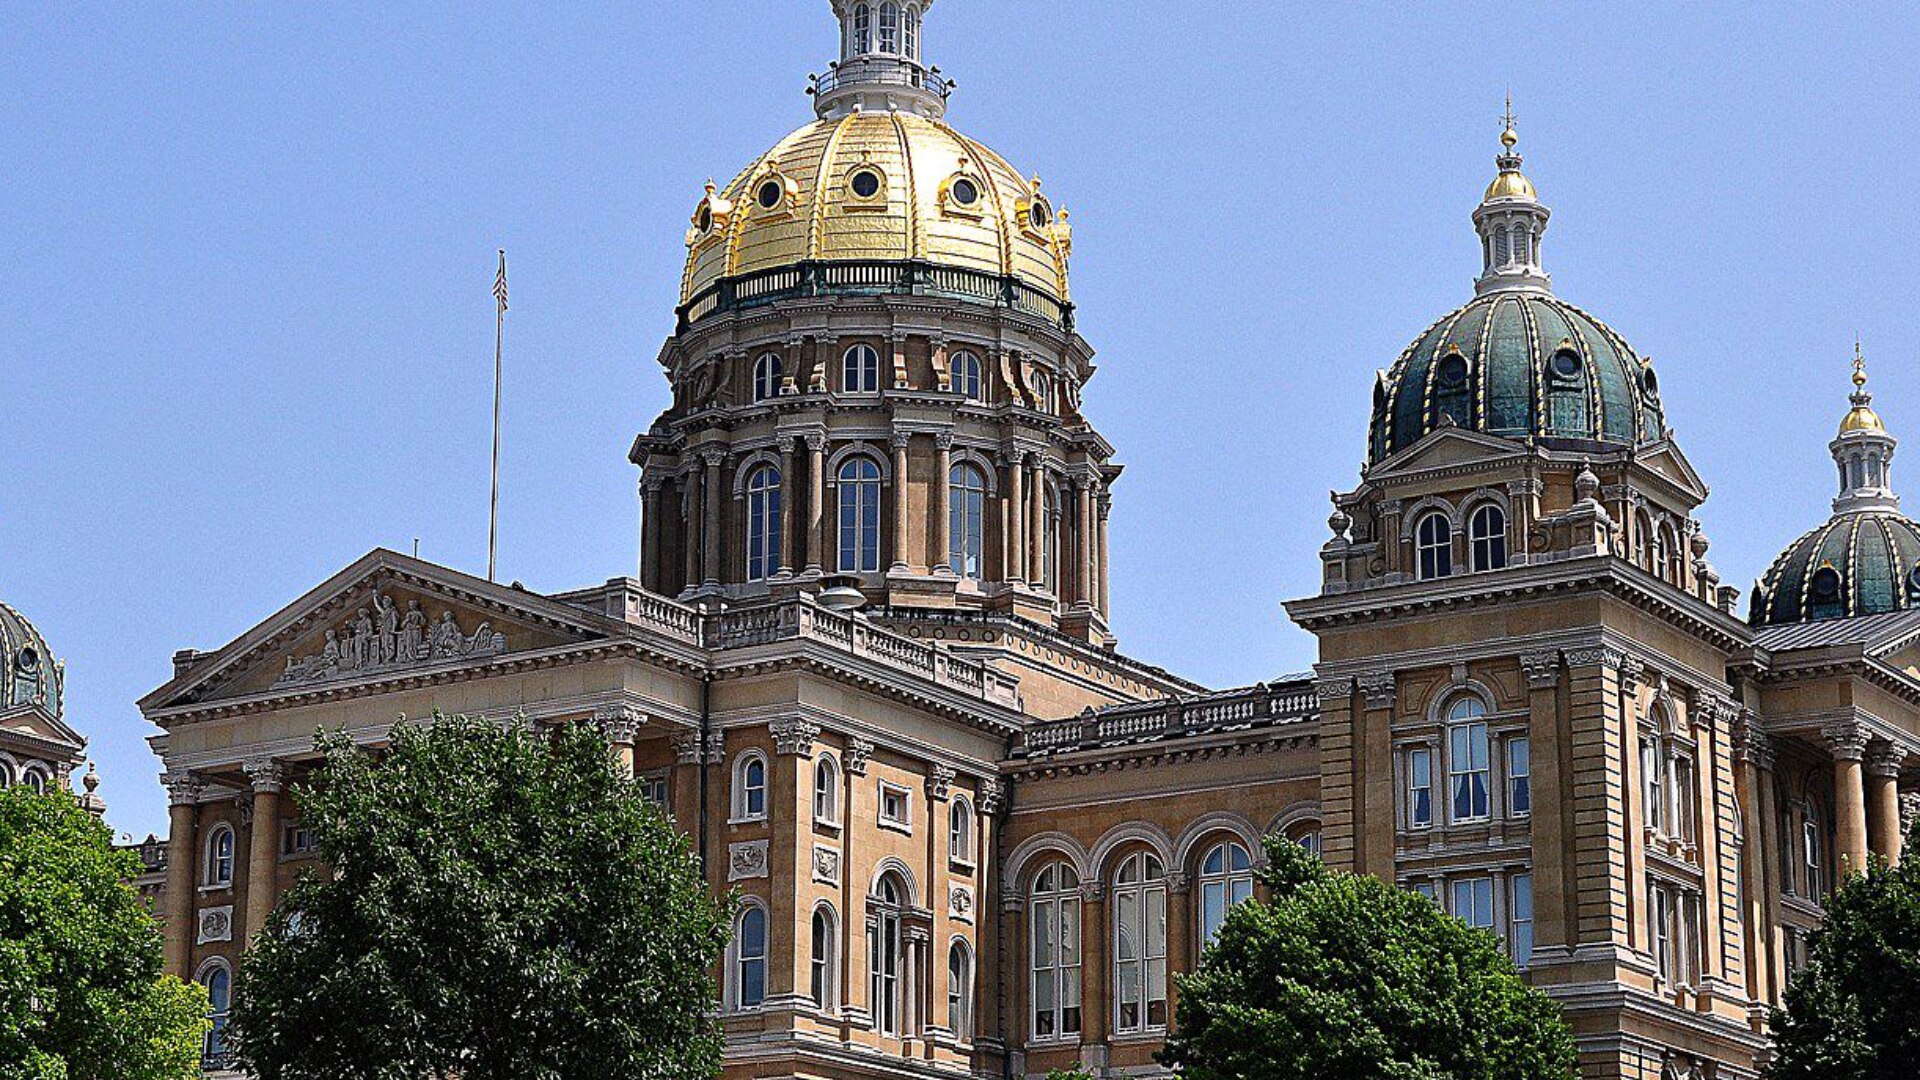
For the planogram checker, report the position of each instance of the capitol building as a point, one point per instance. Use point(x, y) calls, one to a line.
point(867, 663)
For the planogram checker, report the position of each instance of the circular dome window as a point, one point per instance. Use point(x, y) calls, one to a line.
point(769, 194)
point(29, 660)
point(1651, 382)
point(1453, 371)
point(703, 218)
point(1826, 585)
point(1040, 213)
point(1913, 584)
point(965, 192)
point(1566, 365)
point(866, 183)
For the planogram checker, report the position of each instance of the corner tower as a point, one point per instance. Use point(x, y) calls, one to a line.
point(877, 381)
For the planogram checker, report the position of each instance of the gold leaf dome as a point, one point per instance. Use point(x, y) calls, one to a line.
point(1510, 185)
point(1862, 418)
point(879, 185)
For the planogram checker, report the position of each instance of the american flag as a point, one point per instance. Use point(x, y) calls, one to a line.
point(500, 282)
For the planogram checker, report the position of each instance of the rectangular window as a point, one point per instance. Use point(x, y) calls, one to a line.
point(1420, 788)
point(653, 788)
point(1469, 771)
point(1810, 835)
point(1425, 888)
point(1473, 902)
point(297, 839)
point(1660, 913)
point(1520, 910)
point(895, 807)
point(1519, 776)
point(1651, 768)
point(1683, 797)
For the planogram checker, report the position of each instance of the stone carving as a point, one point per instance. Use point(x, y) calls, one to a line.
point(266, 774)
point(1542, 669)
point(1333, 690)
point(1847, 739)
point(940, 781)
point(960, 902)
point(686, 747)
point(1885, 760)
point(1380, 688)
point(747, 860)
point(383, 638)
point(993, 796)
point(1909, 810)
point(826, 864)
point(859, 750)
point(216, 924)
point(183, 787)
point(794, 736)
point(621, 723)
point(1751, 744)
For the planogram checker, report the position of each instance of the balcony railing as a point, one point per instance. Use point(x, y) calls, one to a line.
point(880, 71)
point(872, 277)
point(1230, 710)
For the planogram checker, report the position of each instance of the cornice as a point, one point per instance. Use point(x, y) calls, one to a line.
point(1278, 738)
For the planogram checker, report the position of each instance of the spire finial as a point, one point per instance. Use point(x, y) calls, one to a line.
point(1859, 366)
point(1507, 134)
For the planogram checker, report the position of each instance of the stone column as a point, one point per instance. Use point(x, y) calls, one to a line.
point(1104, 573)
point(816, 501)
point(1015, 517)
point(1181, 933)
point(1037, 524)
point(713, 459)
point(690, 516)
point(790, 858)
point(1554, 891)
point(621, 725)
point(183, 796)
point(789, 490)
point(943, 504)
point(263, 849)
point(1094, 1006)
point(901, 530)
point(1883, 799)
point(1373, 778)
point(650, 533)
point(1848, 741)
point(1083, 541)
point(1753, 750)
point(1391, 543)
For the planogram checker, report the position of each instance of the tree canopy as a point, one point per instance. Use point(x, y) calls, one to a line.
point(82, 996)
point(503, 904)
point(1850, 1012)
point(1345, 977)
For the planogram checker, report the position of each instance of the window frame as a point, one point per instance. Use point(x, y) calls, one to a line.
point(903, 822)
point(823, 958)
point(213, 1043)
point(1519, 775)
point(865, 378)
point(967, 492)
point(1478, 887)
point(960, 832)
point(768, 371)
point(744, 787)
point(1487, 543)
point(1474, 727)
point(218, 867)
point(960, 990)
point(1433, 555)
point(766, 522)
point(886, 940)
point(1520, 918)
point(1228, 880)
point(1417, 790)
point(1054, 903)
point(741, 958)
point(1148, 966)
point(965, 375)
point(857, 499)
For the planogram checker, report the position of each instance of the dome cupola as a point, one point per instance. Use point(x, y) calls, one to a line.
point(1517, 361)
point(1866, 559)
point(29, 675)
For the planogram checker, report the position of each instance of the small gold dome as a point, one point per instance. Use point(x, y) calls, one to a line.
point(880, 185)
point(1510, 184)
point(1862, 418)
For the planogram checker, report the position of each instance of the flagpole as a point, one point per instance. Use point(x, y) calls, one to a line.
point(499, 331)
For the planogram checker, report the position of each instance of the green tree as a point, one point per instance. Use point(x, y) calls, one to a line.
point(503, 906)
point(82, 996)
point(1078, 1072)
point(1344, 977)
point(1850, 1012)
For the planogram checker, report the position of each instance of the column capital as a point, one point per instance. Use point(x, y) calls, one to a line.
point(1380, 688)
point(816, 441)
point(794, 736)
point(899, 439)
point(713, 456)
point(859, 750)
point(1093, 892)
point(1542, 669)
point(1751, 744)
point(940, 782)
point(1179, 882)
point(943, 440)
point(620, 723)
point(993, 796)
point(266, 774)
point(1884, 759)
point(183, 787)
point(1846, 739)
point(686, 747)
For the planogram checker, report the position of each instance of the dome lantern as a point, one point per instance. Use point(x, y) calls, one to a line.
point(880, 66)
point(1510, 221)
point(1863, 451)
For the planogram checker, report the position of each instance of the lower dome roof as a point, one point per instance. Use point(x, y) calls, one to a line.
point(1863, 563)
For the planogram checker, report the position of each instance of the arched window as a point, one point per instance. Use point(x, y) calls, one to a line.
point(960, 831)
point(1140, 945)
point(219, 864)
point(862, 29)
point(1042, 391)
point(1673, 560)
point(1469, 774)
point(763, 523)
point(1307, 835)
point(859, 516)
point(967, 521)
point(1433, 545)
point(1226, 879)
point(826, 791)
point(766, 376)
point(750, 957)
point(218, 979)
point(1050, 539)
point(963, 375)
point(1643, 541)
point(35, 778)
point(910, 27)
point(884, 956)
point(1488, 532)
point(960, 990)
point(750, 787)
point(860, 370)
point(1813, 854)
point(825, 958)
point(890, 28)
point(6, 773)
point(1053, 922)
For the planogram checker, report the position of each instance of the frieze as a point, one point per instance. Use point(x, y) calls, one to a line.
point(215, 924)
point(383, 638)
point(747, 860)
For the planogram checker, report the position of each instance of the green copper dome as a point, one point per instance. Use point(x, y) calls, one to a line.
point(1863, 563)
point(28, 673)
point(1521, 364)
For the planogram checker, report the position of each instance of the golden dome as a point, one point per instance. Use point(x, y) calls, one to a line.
point(1862, 418)
point(1510, 184)
point(879, 185)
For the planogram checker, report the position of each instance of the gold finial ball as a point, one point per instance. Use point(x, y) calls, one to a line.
point(1508, 138)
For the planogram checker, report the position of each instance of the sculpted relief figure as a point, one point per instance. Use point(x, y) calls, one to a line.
point(413, 633)
point(382, 637)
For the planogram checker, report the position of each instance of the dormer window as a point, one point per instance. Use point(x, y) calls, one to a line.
point(1566, 364)
point(868, 186)
point(1825, 593)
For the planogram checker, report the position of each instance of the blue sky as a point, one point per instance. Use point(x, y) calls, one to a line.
point(246, 330)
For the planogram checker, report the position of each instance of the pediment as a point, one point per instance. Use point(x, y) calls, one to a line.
point(1665, 460)
point(1447, 447)
point(33, 725)
point(386, 615)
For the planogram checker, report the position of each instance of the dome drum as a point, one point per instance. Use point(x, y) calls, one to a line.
point(873, 277)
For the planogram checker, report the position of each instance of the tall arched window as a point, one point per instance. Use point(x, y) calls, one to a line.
point(910, 31)
point(884, 959)
point(967, 521)
point(1139, 945)
point(860, 370)
point(35, 778)
point(219, 865)
point(1813, 854)
point(1433, 546)
point(960, 831)
point(960, 990)
point(890, 28)
point(1673, 565)
point(1469, 771)
point(218, 979)
point(862, 29)
point(1488, 533)
point(763, 523)
point(1643, 541)
point(825, 959)
point(1226, 878)
point(826, 791)
point(859, 516)
point(750, 787)
point(766, 376)
point(1050, 540)
point(6, 773)
point(1053, 921)
point(750, 957)
point(1501, 253)
point(963, 375)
